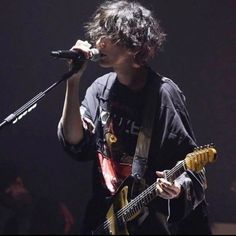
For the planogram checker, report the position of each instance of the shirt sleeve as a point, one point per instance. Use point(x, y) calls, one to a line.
point(178, 129)
point(75, 150)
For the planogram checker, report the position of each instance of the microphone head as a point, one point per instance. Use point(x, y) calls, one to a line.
point(76, 56)
point(95, 54)
point(55, 53)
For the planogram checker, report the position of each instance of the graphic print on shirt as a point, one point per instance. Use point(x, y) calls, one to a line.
point(121, 125)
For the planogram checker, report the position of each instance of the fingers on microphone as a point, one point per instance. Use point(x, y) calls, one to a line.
point(85, 45)
point(82, 47)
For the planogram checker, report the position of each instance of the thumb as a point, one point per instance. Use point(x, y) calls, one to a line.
point(160, 174)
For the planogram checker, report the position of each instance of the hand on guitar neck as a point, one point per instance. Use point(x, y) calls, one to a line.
point(166, 189)
point(166, 185)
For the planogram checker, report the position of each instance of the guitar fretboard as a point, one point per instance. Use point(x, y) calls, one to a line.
point(148, 194)
point(194, 161)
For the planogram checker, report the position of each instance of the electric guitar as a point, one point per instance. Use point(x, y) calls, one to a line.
point(122, 211)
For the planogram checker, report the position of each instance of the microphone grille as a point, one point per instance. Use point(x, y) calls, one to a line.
point(95, 54)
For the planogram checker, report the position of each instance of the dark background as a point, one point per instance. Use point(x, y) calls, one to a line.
point(199, 56)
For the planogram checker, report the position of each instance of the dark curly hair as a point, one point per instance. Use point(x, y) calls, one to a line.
point(129, 24)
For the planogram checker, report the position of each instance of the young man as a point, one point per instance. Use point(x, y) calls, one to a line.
point(117, 107)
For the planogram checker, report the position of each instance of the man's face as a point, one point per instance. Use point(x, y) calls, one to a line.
point(113, 55)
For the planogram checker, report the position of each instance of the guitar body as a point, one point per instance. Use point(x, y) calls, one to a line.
point(132, 196)
point(114, 225)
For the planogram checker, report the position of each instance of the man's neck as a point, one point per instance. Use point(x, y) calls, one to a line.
point(133, 78)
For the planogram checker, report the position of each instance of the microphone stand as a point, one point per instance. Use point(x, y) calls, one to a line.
point(31, 104)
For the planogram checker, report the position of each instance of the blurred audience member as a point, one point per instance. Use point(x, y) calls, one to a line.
point(21, 212)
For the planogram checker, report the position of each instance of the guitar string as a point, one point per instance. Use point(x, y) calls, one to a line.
point(137, 199)
point(121, 211)
point(169, 175)
point(144, 194)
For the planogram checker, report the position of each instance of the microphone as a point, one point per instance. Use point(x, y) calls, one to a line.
point(75, 55)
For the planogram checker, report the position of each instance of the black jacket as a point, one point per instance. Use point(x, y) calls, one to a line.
point(172, 139)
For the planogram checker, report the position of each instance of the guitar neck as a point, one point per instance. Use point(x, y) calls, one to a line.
point(175, 172)
point(149, 194)
point(194, 161)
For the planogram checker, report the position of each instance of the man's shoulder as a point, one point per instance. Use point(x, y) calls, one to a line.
point(102, 85)
point(165, 83)
point(170, 92)
point(170, 85)
point(105, 80)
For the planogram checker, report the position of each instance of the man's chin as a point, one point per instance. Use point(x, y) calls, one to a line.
point(104, 63)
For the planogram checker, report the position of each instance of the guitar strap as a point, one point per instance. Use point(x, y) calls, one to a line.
point(140, 159)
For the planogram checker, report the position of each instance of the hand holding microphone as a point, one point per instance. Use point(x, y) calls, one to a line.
point(78, 56)
point(81, 51)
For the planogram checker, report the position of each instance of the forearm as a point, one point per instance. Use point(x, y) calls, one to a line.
point(71, 119)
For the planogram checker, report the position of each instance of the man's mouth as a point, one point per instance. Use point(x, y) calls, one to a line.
point(102, 55)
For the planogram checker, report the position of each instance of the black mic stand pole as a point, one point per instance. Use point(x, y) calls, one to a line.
point(31, 104)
